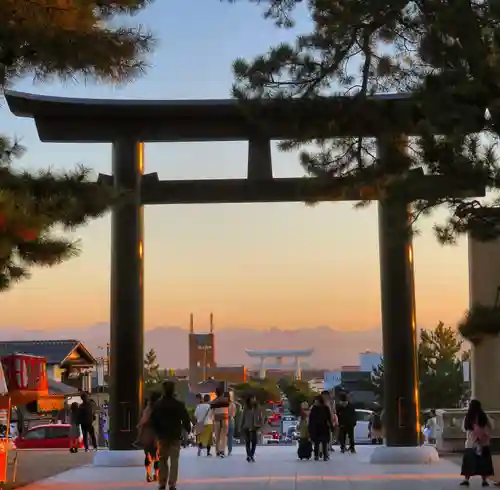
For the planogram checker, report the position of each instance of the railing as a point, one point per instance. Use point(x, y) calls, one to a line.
point(450, 435)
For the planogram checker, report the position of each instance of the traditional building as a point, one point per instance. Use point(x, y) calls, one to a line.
point(68, 361)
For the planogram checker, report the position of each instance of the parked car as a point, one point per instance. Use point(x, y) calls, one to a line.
point(292, 434)
point(49, 436)
point(274, 419)
point(271, 437)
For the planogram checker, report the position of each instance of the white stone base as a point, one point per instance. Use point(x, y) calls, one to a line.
point(119, 459)
point(404, 455)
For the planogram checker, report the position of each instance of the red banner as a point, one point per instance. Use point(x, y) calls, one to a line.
point(5, 407)
point(26, 377)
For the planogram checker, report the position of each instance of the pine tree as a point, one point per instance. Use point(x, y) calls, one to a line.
point(377, 381)
point(444, 54)
point(440, 367)
point(66, 39)
point(151, 368)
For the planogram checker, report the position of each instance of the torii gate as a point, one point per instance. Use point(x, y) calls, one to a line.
point(127, 124)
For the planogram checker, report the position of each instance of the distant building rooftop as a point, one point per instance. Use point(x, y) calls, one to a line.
point(349, 368)
point(279, 353)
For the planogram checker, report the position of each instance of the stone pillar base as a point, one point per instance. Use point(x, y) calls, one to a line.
point(404, 455)
point(119, 459)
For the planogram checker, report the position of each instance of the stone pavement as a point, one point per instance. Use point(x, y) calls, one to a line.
point(276, 468)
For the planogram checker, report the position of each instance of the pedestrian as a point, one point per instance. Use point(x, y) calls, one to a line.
point(147, 439)
point(304, 447)
point(375, 428)
point(221, 420)
point(477, 460)
point(86, 419)
point(252, 421)
point(330, 403)
point(204, 427)
point(346, 414)
point(74, 431)
point(230, 426)
point(169, 418)
point(320, 427)
point(431, 426)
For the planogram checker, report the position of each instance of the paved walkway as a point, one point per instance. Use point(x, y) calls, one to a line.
point(276, 468)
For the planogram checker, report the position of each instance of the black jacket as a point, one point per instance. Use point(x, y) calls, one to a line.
point(320, 423)
point(168, 417)
point(86, 413)
point(346, 413)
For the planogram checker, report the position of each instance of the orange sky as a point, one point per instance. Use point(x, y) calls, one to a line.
point(258, 265)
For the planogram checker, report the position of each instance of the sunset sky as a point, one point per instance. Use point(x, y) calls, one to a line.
point(253, 265)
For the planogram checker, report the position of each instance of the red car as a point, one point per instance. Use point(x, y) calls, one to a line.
point(49, 436)
point(274, 419)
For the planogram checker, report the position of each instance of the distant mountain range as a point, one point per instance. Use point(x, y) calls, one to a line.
point(332, 348)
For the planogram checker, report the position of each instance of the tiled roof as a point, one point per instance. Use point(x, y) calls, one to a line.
point(56, 388)
point(55, 351)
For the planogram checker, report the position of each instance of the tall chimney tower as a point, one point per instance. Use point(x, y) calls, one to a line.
point(191, 323)
point(211, 323)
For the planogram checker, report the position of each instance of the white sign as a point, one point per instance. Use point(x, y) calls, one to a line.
point(332, 379)
point(100, 372)
point(466, 371)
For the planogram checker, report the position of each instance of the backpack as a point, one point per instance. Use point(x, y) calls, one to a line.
point(377, 422)
point(157, 418)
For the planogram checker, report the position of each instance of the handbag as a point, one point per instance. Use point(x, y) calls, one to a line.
point(201, 424)
point(482, 435)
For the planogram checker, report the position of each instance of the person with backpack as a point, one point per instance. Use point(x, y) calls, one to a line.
point(220, 408)
point(169, 418)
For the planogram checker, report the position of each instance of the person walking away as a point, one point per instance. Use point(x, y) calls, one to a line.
point(346, 414)
point(230, 426)
point(74, 431)
point(169, 418)
point(375, 428)
point(330, 403)
point(147, 439)
point(221, 419)
point(477, 460)
point(86, 419)
point(304, 449)
point(252, 421)
point(320, 427)
point(204, 427)
point(199, 401)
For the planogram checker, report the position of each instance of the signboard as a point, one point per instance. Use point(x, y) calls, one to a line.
point(332, 379)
